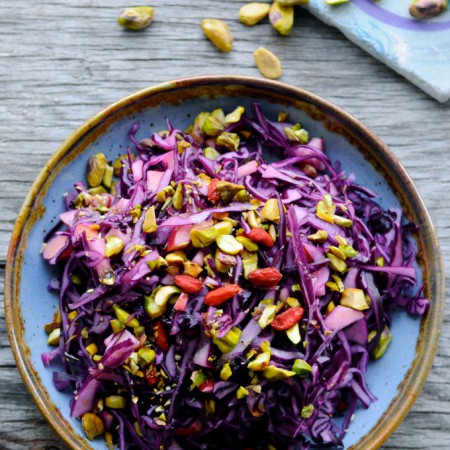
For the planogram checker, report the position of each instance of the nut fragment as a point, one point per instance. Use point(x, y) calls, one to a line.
point(427, 9)
point(96, 170)
point(136, 18)
point(281, 17)
point(268, 63)
point(252, 13)
point(218, 33)
point(92, 425)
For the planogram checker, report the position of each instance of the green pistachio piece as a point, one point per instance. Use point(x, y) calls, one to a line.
point(380, 261)
point(114, 245)
point(307, 411)
point(228, 190)
point(281, 17)
point(383, 343)
point(53, 337)
point(117, 166)
point(336, 2)
point(123, 316)
point(319, 237)
point(149, 225)
point(163, 294)
point(198, 378)
point(283, 116)
point(249, 262)
point(146, 356)
point(117, 325)
point(177, 258)
point(268, 63)
point(427, 9)
point(242, 196)
point(211, 153)
point(234, 116)
point(241, 392)
point(116, 402)
point(218, 33)
point(223, 227)
point(178, 197)
point(270, 210)
point(196, 129)
point(325, 209)
point(267, 316)
point(260, 362)
point(192, 269)
point(226, 372)
point(342, 221)
point(202, 237)
point(136, 18)
point(293, 334)
point(337, 252)
point(354, 298)
point(336, 263)
point(92, 425)
point(228, 140)
point(229, 244)
point(164, 194)
point(301, 368)
point(152, 308)
point(247, 243)
point(229, 341)
point(213, 125)
point(108, 176)
point(273, 373)
point(252, 13)
point(96, 170)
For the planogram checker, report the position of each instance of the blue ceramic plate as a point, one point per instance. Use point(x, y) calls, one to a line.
point(395, 379)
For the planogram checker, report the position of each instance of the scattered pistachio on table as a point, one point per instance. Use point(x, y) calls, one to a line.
point(252, 13)
point(281, 17)
point(427, 9)
point(218, 32)
point(268, 64)
point(136, 18)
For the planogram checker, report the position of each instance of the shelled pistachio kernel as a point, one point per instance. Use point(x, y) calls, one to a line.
point(136, 18)
point(281, 17)
point(252, 13)
point(218, 32)
point(268, 63)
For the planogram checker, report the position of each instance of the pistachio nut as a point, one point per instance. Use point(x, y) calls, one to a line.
point(96, 169)
point(234, 116)
point(281, 17)
point(230, 141)
point(427, 9)
point(336, 2)
point(163, 295)
point(307, 411)
point(202, 237)
point(228, 190)
point(383, 343)
point(241, 392)
point(116, 325)
point(108, 176)
point(177, 258)
point(223, 227)
point(270, 210)
point(193, 269)
point(178, 197)
point(319, 237)
point(336, 263)
point(115, 402)
point(149, 225)
point(53, 337)
point(354, 298)
point(152, 308)
point(124, 317)
point(260, 362)
point(267, 316)
point(273, 373)
point(252, 13)
point(229, 341)
point(114, 245)
point(226, 372)
point(249, 262)
point(136, 18)
point(301, 368)
point(211, 153)
point(229, 244)
point(268, 63)
point(92, 349)
point(146, 356)
point(248, 243)
point(218, 32)
point(92, 425)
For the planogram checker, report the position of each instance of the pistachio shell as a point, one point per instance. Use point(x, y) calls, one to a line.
point(136, 18)
point(252, 13)
point(218, 33)
point(268, 63)
point(281, 17)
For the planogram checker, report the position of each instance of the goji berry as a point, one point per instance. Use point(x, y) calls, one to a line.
point(287, 319)
point(265, 278)
point(222, 294)
point(213, 192)
point(189, 284)
point(160, 335)
point(260, 236)
point(150, 375)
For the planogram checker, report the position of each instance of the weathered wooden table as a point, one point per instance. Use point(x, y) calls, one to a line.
point(62, 61)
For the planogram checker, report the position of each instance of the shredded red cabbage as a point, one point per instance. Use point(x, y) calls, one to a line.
point(288, 273)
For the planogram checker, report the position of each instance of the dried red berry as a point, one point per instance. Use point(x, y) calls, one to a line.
point(222, 294)
point(189, 284)
point(260, 236)
point(160, 335)
point(287, 319)
point(265, 278)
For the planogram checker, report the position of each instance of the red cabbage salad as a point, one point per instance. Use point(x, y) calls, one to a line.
point(211, 299)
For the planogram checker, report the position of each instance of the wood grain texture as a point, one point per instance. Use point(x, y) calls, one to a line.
point(63, 60)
